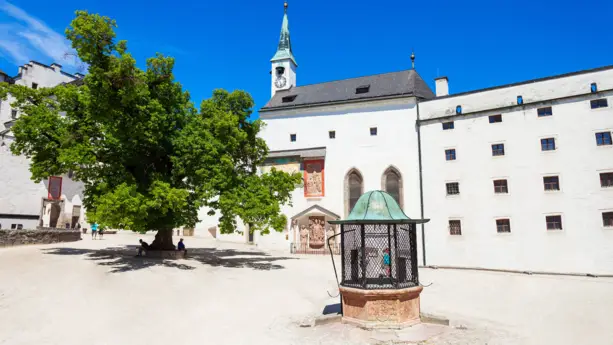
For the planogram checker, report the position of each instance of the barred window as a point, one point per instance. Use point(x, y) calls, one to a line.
point(551, 182)
point(606, 179)
point(501, 187)
point(453, 188)
point(498, 150)
point(603, 138)
point(503, 225)
point(554, 222)
point(455, 227)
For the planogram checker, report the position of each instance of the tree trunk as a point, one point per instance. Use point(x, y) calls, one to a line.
point(163, 240)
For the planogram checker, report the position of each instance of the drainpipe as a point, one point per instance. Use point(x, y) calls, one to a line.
point(421, 184)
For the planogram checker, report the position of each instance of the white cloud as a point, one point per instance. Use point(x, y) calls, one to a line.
point(26, 38)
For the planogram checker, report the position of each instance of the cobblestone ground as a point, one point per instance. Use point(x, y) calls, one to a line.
point(96, 292)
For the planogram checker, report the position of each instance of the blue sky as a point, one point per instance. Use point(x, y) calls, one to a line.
point(228, 44)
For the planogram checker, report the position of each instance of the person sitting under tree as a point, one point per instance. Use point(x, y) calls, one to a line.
point(181, 246)
point(144, 246)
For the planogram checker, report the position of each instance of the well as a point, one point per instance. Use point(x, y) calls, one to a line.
point(379, 278)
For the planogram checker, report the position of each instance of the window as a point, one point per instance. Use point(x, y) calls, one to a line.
point(14, 114)
point(17, 226)
point(331, 134)
point(520, 100)
point(548, 144)
point(453, 188)
point(501, 187)
point(392, 184)
point(362, 89)
point(599, 103)
point(603, 138)
point(498, 150)
point(593, 87)
point(455, 227)
point(554, 222)
point(607, 219)
point(503, 225)
point(551, 182)
point(34, 86)
point(450, 155)
point(458, 109)
point(547, 111)
point(292, 137)
point(353, 189)
point(448, 125)
point(495, 118)
point(373, 130)
point(288, 99)
point(606, 179)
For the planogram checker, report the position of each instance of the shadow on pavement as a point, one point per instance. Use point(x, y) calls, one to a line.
point(123, 259)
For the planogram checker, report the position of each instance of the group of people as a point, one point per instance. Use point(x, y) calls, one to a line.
point(97, 231)
point(144, 246)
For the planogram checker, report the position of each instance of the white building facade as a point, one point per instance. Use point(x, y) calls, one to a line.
point(25, 204)
point(515, 177)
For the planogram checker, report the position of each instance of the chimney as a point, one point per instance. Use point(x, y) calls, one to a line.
point(20, 69)
point(442, 86)
point(56, 67)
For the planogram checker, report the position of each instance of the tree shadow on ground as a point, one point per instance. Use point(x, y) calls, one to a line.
point(123, 259)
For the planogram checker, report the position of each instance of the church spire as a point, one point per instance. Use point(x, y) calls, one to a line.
point(284, 50)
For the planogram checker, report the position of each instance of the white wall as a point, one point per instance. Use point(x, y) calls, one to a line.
point(583, 245)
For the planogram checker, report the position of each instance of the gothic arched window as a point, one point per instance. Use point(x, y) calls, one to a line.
point(354, 188)
point(391, 182)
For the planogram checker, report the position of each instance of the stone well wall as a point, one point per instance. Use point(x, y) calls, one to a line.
point(10, 238)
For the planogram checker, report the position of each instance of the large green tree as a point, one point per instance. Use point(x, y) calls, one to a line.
point(148, 158)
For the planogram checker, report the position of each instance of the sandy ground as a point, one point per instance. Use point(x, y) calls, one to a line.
point(95, 292)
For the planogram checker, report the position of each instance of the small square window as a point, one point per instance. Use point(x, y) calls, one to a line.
point(34, 86)
point(455, 227)
point(503, 225)
point(450, 155)
point(495, 118)
point(453, 188)
point(331, 134)
point(599, 103)
point(607, 219)
point(554, 222)
point(497, 149)
point(603, 138)
point(292, 137)
point(606, 179)
point(551, 182)
point(501, 187)
point(373, 130)
point(288, 99)
point(548, 144)
point(362, 89)
point(546, 111)
point(19, 226)
point(448, 125)
point(13, 226)
point(14, 114)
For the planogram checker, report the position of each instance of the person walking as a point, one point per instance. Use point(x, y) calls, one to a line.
point(94, 231)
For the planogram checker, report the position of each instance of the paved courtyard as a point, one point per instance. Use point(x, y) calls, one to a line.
point(95, 292)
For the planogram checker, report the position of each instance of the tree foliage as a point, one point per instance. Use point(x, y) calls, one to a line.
point(148, 158)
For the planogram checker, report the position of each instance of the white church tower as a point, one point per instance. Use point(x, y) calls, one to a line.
point(283, 63)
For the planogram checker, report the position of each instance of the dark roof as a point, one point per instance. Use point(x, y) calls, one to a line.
point(77, 82)
point(403, 83)
point(302, 153)
point(593, 70)
point(318, 208)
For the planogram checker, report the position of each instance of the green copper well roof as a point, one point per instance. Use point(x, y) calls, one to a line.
point(284, 50)
point(377, 207)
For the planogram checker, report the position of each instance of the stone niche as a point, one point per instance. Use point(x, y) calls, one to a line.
point(381, 308)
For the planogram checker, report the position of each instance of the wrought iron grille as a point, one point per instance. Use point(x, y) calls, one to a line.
point(379, 256)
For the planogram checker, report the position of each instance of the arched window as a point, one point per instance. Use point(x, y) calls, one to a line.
point(354, 188)
point(391, 182)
